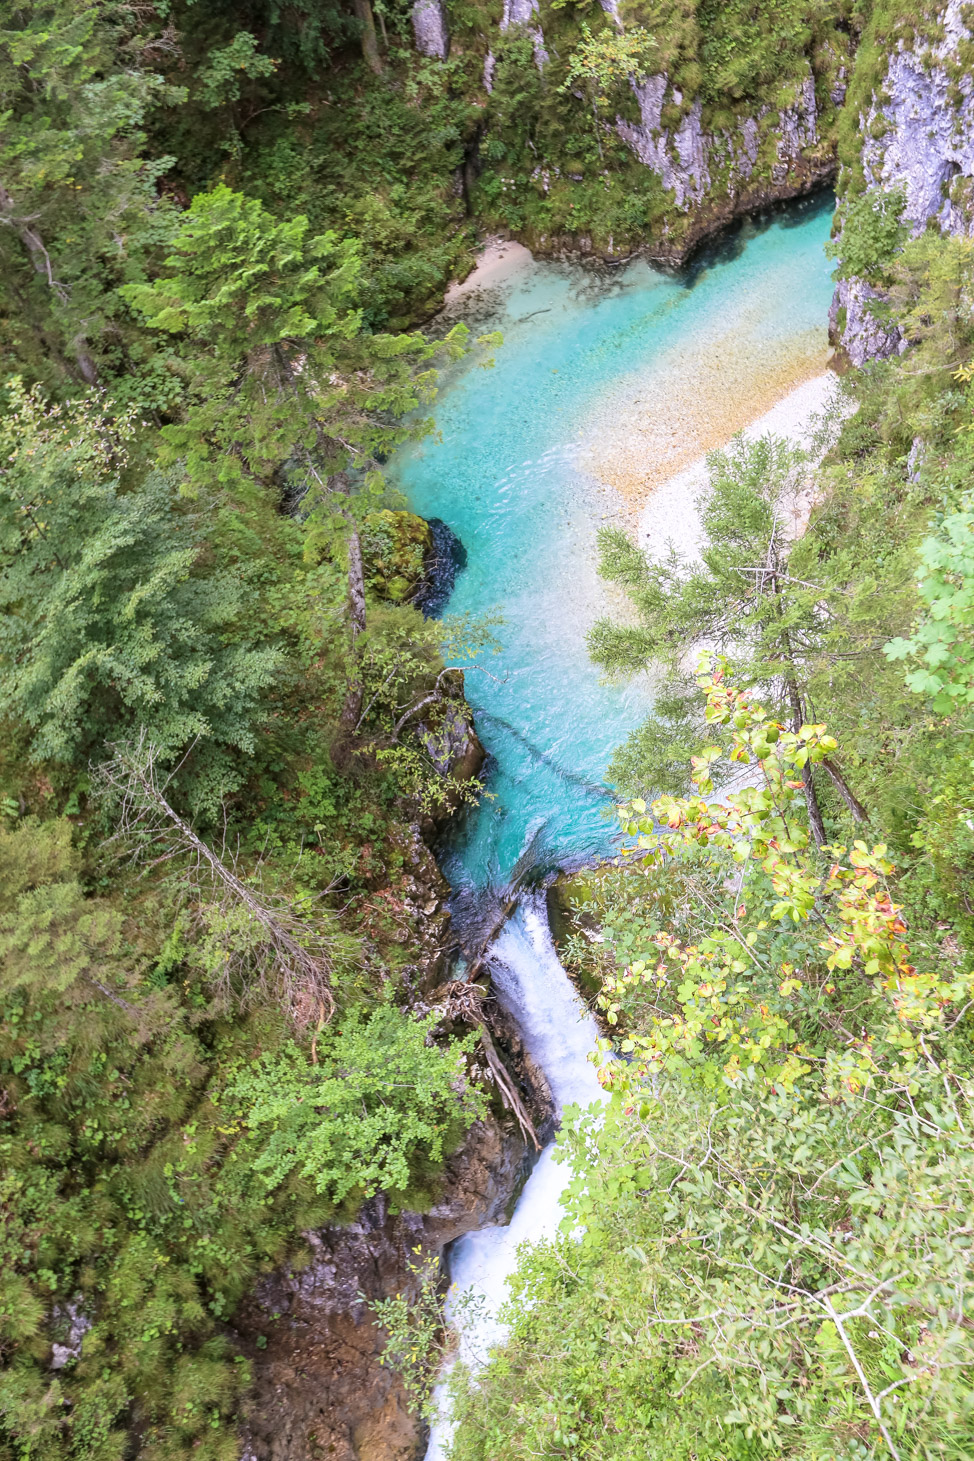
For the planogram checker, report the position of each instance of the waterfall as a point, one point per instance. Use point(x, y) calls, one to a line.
point(559, 1034)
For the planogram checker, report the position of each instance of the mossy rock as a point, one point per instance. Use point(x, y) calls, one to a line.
point(395, 546)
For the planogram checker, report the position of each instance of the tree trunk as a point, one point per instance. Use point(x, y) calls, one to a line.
point(370, 45)
point(41, 260)
point(845, 791)
point(811, 800)
point(356, 579)
point(352, 709)
point(798, 716)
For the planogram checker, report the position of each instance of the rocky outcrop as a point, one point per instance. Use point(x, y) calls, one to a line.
point(525, 12)
point(693, 163)
point(396, 547)
point(451, 742)
point(320, 1388)
point(854, 326)
point(430, 28)
point(918, 136)
point(681, 160)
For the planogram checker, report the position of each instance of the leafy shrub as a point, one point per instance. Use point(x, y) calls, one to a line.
point(375, 1098)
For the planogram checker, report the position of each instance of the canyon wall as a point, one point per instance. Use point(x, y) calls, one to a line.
point(915, 125)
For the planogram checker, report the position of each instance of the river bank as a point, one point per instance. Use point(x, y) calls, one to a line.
point(670, 517)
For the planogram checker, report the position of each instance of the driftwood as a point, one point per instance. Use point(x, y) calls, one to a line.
point(465, 1004)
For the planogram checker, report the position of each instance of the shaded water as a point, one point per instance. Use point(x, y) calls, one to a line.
point(603, 388)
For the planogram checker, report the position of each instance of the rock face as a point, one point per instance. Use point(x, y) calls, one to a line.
point(919, 132)
point(694, 163)
point(430, 28)
point(452, 743)
point(320, 1389)
point(918, 135)
point(525, 12)
point(853, 325)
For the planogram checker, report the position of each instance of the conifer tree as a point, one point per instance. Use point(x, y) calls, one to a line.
point(79, 206)
point(741, 597)
point(274, 372)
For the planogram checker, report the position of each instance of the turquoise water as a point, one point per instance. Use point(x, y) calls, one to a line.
point(511, 474)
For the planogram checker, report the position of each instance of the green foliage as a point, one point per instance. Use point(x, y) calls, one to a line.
point(378, 1097)
point(758, 1228)
point(744, 1271)
point(603, 62)
point(744, 596)
point(943, 639)
point(137, 1211)
point(220, 79)
point(414, 1325)
point(79, 199)
point(115, 614)
point(50, 934)
point(872, 234)
point(396, 545)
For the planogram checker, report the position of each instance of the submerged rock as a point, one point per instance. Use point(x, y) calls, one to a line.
point(445, 558)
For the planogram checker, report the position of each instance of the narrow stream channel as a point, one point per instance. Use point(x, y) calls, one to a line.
point(604, 387)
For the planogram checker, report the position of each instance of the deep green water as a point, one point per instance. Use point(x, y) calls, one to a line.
point(507, 477)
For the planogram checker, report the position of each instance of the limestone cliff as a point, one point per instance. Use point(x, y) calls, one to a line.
point(915, 125)
point(730, 116)
point(714, 174)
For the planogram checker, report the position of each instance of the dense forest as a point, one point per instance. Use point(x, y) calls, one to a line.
point(229, 734)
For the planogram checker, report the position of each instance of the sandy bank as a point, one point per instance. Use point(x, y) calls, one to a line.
point(693, 399)
point(670, 515)
point(497, 261)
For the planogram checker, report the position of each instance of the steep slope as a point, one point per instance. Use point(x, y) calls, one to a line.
point(910, 132)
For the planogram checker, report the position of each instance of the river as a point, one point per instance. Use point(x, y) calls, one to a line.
point(607, 385)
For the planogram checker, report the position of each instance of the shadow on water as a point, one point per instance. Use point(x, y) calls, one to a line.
point(730, 242)
point(598, 792)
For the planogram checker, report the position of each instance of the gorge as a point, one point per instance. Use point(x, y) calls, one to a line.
point(397, 396)
point(605, 388)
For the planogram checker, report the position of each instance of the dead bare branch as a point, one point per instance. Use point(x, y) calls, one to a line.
point(258, 947)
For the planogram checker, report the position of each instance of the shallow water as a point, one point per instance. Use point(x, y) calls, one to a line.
point(592, 385)
point(603, 388)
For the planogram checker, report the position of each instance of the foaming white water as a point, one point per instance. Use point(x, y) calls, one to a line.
point(557, 1029)
point(559, 1034)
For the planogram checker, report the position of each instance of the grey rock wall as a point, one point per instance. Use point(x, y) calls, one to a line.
point(852, 322)
point(430, 28)
point(928, 145)
point(918, 135)
point(525, 12)
point(689, 160)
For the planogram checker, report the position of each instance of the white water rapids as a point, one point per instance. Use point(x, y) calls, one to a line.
point(559, 1034)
